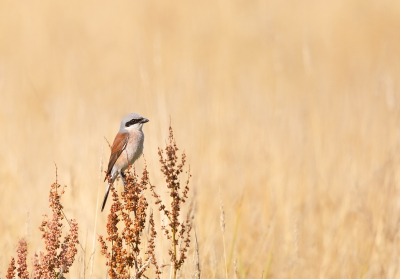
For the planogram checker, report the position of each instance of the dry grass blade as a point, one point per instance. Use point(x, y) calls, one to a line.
point(222, 225)
point(197, 272)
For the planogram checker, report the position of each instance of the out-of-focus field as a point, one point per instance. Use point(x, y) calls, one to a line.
point(291, 108)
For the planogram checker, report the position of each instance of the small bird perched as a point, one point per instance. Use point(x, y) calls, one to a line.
point(126, 149)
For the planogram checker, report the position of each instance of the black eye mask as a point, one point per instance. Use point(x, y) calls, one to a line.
point(133, 122)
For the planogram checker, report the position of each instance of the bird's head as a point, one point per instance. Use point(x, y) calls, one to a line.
point(133, 121)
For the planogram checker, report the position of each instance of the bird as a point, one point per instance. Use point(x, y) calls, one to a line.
point(126, 149)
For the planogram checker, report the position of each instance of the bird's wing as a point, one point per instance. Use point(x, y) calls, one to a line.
point(118, 146)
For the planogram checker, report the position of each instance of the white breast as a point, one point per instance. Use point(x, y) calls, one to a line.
point(134, 147)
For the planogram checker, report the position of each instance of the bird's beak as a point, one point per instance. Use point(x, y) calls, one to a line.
point(144, 120)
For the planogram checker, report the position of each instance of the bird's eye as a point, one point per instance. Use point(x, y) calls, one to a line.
point(129, 123)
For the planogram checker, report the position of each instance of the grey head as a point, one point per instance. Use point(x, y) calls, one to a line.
point(132, 121)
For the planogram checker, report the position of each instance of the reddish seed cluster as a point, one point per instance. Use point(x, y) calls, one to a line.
point(68, 248)
point(51, 264)
point(151, 246)
point(172, 169)
point(11, 270)
point(124, 253)
point(22, 252)
point(37, 271)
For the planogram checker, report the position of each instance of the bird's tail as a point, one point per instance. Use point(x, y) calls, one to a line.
point(105, 197)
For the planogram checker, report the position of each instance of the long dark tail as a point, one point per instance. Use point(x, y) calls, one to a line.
point(105, 198)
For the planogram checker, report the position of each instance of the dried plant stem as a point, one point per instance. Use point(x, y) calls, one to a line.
point(144, 266)
point(197, 273)
point(95, 218)
point(222, 224)
point(235, 232)
point(226, 266)
point(268, 267)
point(235, 268)
point(69, 223)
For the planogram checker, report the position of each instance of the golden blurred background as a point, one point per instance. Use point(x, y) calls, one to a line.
point(287, 110)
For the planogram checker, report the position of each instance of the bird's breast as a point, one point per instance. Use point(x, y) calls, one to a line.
point(134, 146)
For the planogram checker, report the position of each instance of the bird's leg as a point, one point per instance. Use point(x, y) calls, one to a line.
point(121, 173)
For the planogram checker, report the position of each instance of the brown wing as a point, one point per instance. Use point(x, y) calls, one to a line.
point(118, 146)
